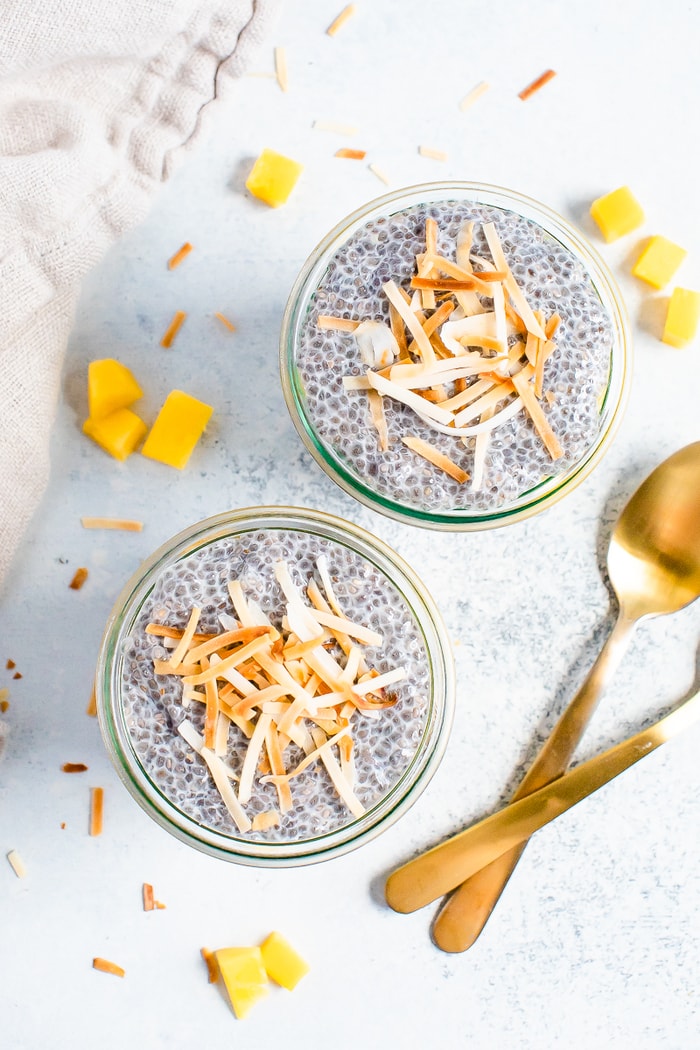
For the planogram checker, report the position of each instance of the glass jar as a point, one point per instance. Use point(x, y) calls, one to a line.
point(588, 376)
point(138, 710)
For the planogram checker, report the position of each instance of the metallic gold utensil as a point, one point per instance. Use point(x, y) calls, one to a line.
point(441, 869)
point(654, 568)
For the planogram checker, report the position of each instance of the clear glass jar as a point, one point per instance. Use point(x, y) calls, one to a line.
point(133, 712)
point(312, 385)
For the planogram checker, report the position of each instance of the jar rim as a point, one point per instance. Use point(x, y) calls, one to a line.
point(549, 490)
point(402, 793)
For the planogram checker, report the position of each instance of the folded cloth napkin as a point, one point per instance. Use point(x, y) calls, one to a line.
point(99, 99)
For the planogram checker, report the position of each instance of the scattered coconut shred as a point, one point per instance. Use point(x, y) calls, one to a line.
point(462, 348)
point(17, 864)
point(304, 684)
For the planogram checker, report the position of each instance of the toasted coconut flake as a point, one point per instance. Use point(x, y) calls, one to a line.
point(182, 253)
point(434, 456)
point(269, 818)
point(281, 68)
point(274, 754)
point(96, 810)
point(472, 96)
point(335, 128)
point(340, 20)
point(79, 579)
point(221, 779)
point(186, 640)
point(512, 286)
point(399, 330)
point(182, 671)
point(351, 154)
point(17, 864)
point(340, 781)
point(173, 328)
point(419, 376)
point(191, 736)
point(433, 154)
point(540, 357)
point(444, 284)
point(225, 322)
point(376, 411)
point(211, 715)
point(337, 324)
point(214, 644)
point(234, 661)
point(380, 174)
point(488, 400)
point(250, 762)
point(105, 966)
point(312, 757)
point(536, 84)
point(324, 573)
point(74, 767)
point(539, 420)
point(148, 899)
point(414, 401)
point(479, 282)
point(354, 630)
point(124, 524)
point(552, 325)
point(410, 319)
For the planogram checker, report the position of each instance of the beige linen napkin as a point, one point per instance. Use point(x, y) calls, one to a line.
point(98, 101)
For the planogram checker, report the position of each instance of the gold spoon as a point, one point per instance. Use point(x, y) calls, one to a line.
point(654, 568)
point(436, 872)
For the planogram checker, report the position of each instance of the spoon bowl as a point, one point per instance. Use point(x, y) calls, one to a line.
point(654, 552)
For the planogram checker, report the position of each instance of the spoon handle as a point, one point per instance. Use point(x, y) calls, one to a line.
point(464, 915)
point(466, 912)
point(436, 872)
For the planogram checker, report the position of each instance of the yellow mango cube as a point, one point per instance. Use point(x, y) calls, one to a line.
point(111, 385)
point(177, 429)
point(245, 977)
point(120, 433)
point(659, 261)
point(283, 964)
point(682, 317)
point(273, 177)
point(617, 213)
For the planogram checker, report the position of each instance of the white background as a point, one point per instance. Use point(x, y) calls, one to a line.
point(595, 941)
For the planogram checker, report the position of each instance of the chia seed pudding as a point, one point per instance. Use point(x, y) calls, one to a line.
point(347, 282)
point(385, 742)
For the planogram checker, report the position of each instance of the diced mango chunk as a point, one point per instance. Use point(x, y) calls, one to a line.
point(244, 975)
point(177, 429)
point(111, 385)
point(283, 964)
point(659, 261)
point(120, 433)
point(617, 213)
point(273, 177)
point(682, 317)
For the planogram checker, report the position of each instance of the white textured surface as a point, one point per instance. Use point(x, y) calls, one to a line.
point(596, 938)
